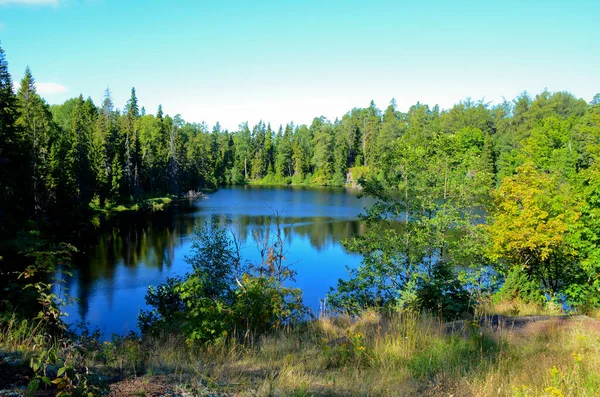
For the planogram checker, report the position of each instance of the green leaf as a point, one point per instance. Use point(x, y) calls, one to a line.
point(34, 385)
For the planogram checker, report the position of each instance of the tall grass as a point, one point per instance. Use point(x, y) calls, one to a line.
point(398, 355)
point(372, 355)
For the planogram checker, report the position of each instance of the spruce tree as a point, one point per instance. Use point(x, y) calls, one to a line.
point(36, 127)
point(9, 150)
point(81, 125)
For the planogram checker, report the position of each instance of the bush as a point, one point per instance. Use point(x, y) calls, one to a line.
point(220, 297)
point(519, 286)
point(443, 294)
point(261, 305)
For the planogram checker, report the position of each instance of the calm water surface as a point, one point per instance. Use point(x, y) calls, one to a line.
point(113, 274)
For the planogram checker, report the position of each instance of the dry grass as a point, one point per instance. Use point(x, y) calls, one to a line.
point(400, 355)
point(595, 314)
point(376, 355)
point(517, 308)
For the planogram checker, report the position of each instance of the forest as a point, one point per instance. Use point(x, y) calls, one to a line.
point(477, 206)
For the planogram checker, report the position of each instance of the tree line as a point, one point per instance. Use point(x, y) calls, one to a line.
point(486, 203)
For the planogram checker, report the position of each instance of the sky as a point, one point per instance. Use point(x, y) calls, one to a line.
point(282, 61)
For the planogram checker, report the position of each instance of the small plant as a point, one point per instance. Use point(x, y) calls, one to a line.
point(351, 351)
point(523, 391)
point(39, 364)
point(125, 353)
point(66, 379)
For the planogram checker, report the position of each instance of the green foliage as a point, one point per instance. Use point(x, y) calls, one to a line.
point(223, 297)
point(518, 285)
point(261, 304)
point(532, 217)
point(39, 282)
point(420, 234)
point(442, 293)
point(68, 381)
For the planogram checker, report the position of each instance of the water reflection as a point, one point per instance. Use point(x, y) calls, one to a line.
point(114, 272)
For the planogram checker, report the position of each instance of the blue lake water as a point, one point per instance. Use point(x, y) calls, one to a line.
point(111, 276)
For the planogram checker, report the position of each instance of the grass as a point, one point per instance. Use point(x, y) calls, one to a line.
point(373, 355)
point(518, 308)
point(145, 204)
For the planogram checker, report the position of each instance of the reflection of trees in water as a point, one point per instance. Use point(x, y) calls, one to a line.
point(151, 241)
point(322, 232)
point(133, 242)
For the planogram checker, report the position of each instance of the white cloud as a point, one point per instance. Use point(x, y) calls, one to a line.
point(30, 2)
point(50, 88)
point(45, 88)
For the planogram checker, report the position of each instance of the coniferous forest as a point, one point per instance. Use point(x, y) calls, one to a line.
point(483, 211)
point(63, 157)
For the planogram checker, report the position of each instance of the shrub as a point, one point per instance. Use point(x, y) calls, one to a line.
point(221, 296)
point(519, 286)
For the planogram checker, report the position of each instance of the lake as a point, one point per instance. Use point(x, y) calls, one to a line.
point(112, 273)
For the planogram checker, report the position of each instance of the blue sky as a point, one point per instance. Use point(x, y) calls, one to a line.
point(286, 60)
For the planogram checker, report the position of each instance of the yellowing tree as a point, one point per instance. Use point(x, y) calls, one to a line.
point(532, 217)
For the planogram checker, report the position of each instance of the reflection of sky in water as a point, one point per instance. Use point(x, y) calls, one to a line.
point(140, 251)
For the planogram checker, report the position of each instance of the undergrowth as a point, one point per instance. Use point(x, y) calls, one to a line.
point(367, 355)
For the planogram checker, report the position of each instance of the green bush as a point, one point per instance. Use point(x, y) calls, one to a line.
point(261, 305)
point(443, 294)
point(220, 296)
point(519, 286)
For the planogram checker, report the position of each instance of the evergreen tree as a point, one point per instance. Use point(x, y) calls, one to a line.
point(371, 120)
point(302, 152)
point(283, 158)
point(81, 133)
point(243, 151)
point(323, 141)
point(340, 153)
point(259, 161)
point(36, 126)
point(391, 128)
point(10, 151)
point(106, 147)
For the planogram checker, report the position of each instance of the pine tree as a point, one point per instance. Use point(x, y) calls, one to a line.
point(82, 123)
point(259, 160)
point(302, 152)
point(269, 149)
point(340, 154)
point(371, 120)
point(107, 146)
point(243, 153)
point(35, 123)
point(116, 175)
point(10, 160)
point(173, 156)
point(323, 141)
point(283, 159)
point(131, 154)
point(389, 132)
